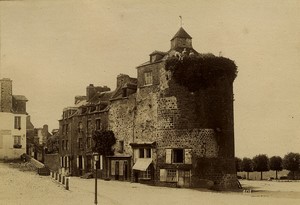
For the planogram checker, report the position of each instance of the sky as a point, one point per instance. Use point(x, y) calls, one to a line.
point(52, 50)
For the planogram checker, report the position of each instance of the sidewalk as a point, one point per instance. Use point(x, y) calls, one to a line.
point(28, 188)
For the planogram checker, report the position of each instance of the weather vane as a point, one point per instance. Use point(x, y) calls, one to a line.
point(180, 21)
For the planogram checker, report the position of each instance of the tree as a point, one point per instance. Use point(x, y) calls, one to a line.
point(238, 164)
point(291, 162)
point(103, 142)
point(247, 166)
point(261, 164)
point(276, 164)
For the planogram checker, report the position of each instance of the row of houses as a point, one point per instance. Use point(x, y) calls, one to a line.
point(166, 135)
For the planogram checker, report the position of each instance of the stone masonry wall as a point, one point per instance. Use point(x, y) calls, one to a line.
point(146, 115)
point(121, 122)
point(207, 108)
point(173, 117)
point(201, 141)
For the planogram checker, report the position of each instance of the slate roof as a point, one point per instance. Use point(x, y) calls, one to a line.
point(100, 97)
point(158, 52)
point(20, 97)
point(181, 33)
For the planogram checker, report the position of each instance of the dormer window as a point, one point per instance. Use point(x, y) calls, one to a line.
point(148, 78)
point(65, 114)
point(92, 108)
point(156, 56)
point(152, 58)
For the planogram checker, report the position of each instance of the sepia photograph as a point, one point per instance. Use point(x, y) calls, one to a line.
point(161, 102)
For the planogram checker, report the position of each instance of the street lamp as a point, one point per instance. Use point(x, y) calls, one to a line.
point(96, 158)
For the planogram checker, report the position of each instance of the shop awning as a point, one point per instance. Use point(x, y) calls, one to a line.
point(142, 164)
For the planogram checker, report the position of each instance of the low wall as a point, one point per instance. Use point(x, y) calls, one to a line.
point(52, 161)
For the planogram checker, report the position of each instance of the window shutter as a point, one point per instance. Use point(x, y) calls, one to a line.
point(136, 154)
point(163, 175)
point(83, 163)
point(188, 156)
point(77, 161)
point(68, 162)
point(168, 156)
point(101, 162)
point(113, 167)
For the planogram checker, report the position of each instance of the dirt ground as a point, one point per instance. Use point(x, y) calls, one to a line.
point(26, 187)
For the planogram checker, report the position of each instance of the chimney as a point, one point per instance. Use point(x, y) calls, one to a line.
point(90, 92)
point(6, 95)
point(45, 128)
point(122, 79)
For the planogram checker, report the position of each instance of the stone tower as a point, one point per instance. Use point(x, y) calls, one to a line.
point(181, 40)
point(191, 133)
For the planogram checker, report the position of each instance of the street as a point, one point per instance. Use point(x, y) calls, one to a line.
point(19, 187)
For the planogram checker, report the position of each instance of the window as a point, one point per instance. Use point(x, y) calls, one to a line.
point(144, 152)
point(65, 115)
point(62, 144)
point(67, 128)
point(98, 124)
point(61, 161)
point(17, 142)
point(89, 142)
point(141, 150)
point(92, 108)
point(80, 146)
point(178, 156)
point(67, 144)
point(124, 92)
point(63, 129)
point(152, 59)
point(145, 174)
point(171, 175)
point(148, 152)
point(148, 78)
point(80, 126)
point(88, 126)
point(18, 122)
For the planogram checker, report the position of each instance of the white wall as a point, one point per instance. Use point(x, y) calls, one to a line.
point(7, 133)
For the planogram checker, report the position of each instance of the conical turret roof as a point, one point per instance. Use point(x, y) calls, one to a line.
point(181, 33)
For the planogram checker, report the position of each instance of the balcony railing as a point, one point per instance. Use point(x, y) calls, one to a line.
point(17, 146)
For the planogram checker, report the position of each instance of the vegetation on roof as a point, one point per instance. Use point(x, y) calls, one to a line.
point(202, 71)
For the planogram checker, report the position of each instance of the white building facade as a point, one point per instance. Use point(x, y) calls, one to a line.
point(12, 122)
point(12, 135)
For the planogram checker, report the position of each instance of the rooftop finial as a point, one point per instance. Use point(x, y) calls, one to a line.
point(180, 21)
